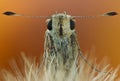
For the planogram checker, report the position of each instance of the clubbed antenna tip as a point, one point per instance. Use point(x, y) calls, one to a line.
point(111, 13)
point(9, 13)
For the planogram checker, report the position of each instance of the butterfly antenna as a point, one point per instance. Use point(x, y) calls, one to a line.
point(101, 15)
point(9, 13)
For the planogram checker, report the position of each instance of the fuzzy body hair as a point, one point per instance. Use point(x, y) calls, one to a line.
point(61, 49)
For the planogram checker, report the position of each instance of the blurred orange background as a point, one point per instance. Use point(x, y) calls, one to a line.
point(27, 34)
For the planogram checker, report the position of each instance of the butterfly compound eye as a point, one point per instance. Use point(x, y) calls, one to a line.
point(49, 25)
point(72, 24)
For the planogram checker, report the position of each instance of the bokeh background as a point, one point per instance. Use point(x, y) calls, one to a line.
point(17, 34)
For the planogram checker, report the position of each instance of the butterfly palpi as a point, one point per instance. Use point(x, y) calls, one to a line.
point(61, 46)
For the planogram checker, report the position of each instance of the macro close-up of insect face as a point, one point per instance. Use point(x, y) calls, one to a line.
point(60, 40)
point(62, 53)
point(61, 25)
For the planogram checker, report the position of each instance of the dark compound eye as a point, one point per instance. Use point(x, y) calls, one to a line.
point(72, 24)
point(49, 25)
